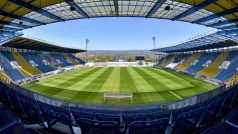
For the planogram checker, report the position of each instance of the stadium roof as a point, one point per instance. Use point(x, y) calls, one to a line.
point(219, 39)
point(39, 45)
point(17, 15)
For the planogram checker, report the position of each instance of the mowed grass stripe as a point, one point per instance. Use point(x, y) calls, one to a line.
point(159, 86)
point(140, 83)
point(127, 84)
point(77, 78)
point(60, 80)
point(112, 84)
point(60, 77)
point(80, 85)
point(98, 82)
point(161, 92)
point(169, 83)
point(172, 77)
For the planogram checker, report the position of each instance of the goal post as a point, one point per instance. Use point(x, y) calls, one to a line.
point(118, 96)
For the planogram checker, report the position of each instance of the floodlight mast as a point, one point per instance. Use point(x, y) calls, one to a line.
point(153, 38)
point(87, 41)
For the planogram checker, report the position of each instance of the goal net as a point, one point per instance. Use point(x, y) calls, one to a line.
point(118, 96)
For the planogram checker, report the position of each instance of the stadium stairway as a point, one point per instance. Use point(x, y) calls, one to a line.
point(186, 64)
point(26, 68)
point(13, 73)
point(202, 60)
point(40, 65)
point(167, 61)
point(225, 74)
point(213, 69)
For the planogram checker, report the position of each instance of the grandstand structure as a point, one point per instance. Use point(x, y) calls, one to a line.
point(211, 57)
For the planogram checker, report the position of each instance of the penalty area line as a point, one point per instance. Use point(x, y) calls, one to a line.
point(176, 95)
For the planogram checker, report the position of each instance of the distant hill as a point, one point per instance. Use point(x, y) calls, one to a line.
point(119, 52)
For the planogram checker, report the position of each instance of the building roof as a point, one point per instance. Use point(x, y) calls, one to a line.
point(219, 39)
point(38, 45)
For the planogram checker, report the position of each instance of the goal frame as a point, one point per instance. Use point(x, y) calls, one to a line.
point(118, 96)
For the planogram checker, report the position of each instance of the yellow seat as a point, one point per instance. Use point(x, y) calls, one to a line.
point(26, 67)
point(186, 64)
point(213, 69)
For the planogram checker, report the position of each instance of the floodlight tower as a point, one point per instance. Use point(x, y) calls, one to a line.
point(87, 41)
point(153, 38)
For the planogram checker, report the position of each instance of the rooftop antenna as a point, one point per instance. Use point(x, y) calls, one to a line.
point(87, 41)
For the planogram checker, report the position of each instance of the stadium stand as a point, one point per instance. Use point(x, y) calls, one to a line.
point(69, 58)
point(212, 70)
point(203, 60)
point(167, 60)
point(54, 63)
point(80, 61)
point(181, 58)
point(36, 59)
point(61, 59)
point(225, 74)
point(26, 68)
point(8, 55)
point(49, 63)
point(8, 69)
point(186, 64)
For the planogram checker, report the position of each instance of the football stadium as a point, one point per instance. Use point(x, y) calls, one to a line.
point(190, 87)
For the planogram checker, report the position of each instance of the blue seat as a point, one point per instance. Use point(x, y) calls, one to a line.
point(53, 117)
point(186, 122)
point(31, 110)
point(211, 112)
point(98, 127)
point(37, 59)
point(213, 130)
point(62, 59)
point(202, 60)
point(160, 115)
point(5, 98)
point(7, 121)
point(225, 74)
point(148, 127)
point(227, 103)
point(13, 73)
point(231, 121)
point(30, 131)
point(16, 105)
point(134, 117)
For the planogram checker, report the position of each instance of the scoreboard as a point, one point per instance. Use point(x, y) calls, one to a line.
point(140, 58)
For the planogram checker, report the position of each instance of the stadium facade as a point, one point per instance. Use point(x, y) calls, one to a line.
point(211, 57)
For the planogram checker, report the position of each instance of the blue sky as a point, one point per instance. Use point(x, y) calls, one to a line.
point(118, 33)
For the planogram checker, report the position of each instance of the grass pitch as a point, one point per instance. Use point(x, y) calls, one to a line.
point(148, 85)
